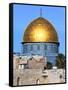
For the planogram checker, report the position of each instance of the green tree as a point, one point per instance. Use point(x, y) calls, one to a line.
point(60, 62)
point(49, 65)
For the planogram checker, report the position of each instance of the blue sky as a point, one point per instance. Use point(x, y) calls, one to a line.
point(24, 14)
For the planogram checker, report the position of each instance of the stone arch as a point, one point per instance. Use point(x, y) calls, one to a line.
point(18, 81)
point(37, 81)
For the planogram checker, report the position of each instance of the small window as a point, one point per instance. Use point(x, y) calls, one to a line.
point(21, 66)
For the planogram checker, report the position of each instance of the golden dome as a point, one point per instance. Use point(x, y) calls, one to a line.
point(40, 30)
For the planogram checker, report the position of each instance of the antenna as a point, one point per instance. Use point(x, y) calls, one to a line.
point(40, 12)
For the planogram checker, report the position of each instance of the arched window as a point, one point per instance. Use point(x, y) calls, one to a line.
point(38, 47)
point(37, 81)
point(25, 48)
point(45, 47)
point(18, 81)
point(31, 48)
point(53, 48)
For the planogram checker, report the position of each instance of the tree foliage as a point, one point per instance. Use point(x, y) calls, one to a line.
point(49, 65)
point(60, 62)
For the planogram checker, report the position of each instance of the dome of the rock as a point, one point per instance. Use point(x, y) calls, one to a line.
point(40, 30)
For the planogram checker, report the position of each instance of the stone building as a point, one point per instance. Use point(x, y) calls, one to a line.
point(31, 71)
point(40, 45)
point(28, 69)
point(40, 38)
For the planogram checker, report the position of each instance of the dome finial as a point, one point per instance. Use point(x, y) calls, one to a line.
point(40, 12)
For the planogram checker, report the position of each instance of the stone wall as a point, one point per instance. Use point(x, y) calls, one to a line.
point(35, 75)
